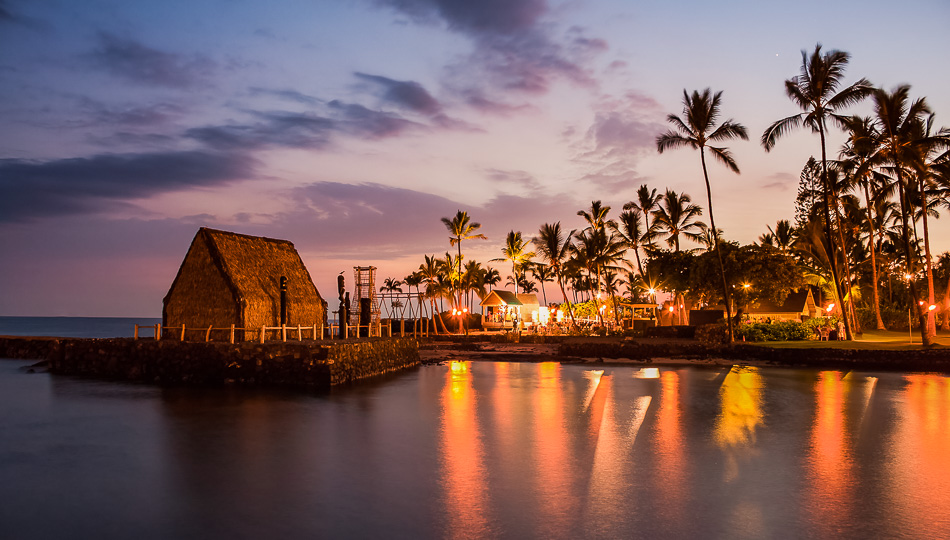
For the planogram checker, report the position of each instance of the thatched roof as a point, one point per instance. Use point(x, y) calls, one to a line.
point(252, 267)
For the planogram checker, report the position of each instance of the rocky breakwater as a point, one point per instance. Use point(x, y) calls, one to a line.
point(302, 364)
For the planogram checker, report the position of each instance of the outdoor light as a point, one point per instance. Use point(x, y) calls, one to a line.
point(671, 309)
point(652, 291)
point(830, 307)
point(907, 277)
point(931, 307)
point(746, 285)
point(921, 302)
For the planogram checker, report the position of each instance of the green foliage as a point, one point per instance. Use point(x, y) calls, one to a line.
point(770, 273)
point(776, 331)
point(712, 334)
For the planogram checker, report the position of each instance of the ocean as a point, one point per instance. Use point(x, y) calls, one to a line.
point(77, 327)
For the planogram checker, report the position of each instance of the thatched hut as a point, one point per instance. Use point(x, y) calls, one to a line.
point(228, 278)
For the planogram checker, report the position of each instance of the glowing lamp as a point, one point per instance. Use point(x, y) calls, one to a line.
point(931, 307)
point(746, 285)
point(671, 309)
point(830, 307)
point(652, 291)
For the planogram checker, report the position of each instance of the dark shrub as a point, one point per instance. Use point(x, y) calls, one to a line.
point(712, 334)
point(776, 331)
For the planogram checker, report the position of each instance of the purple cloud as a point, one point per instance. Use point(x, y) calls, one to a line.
point(141, 64)
point(513, 48)
point(280, 129)
point(31, 189)
point(408, 95)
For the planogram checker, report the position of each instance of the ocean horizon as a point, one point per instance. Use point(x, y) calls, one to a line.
point(74, 327)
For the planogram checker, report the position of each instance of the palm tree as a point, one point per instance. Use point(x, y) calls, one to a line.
point(596, 216)
point(647, 201)
point(904, 143)
point(432, 275)
point(461, 228)
point(515, 250)
point(677, 216)
point(492, 277)
point(414, 280)
point(815, 91)
point(630, 229)
point(701, 113)
point(555, 248)
point(542, 273)
point(596, 251)
point(856, 161)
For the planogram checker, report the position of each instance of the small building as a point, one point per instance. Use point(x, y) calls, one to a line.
point(228, 278)
point(798, 306)
point(500, 310)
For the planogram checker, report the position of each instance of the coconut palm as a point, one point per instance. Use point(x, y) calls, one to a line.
point(554, 247)
point(492, 277)
point(596, 216)
point(647, 201)
point(677, 216)
point(815, 90)
point(542, 273)
point(515, 251)
point(461, 228)
point(597, 250)
point(634, 234)
point(904, 143)
point(856, 161)
point(413, 280)
point(432, 273)
point(696, 130)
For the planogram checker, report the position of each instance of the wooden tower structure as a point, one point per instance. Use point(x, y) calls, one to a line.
point(365, 310)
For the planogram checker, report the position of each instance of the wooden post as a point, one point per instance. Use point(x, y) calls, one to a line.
point(299, 336)
point(183, 332)
point(232, 333)
point(262, 334)
point(208, 335)
point(158, 332)
point(402, 328)
point(136, 334)
point(283, 332)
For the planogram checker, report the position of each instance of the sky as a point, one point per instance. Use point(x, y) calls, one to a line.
point(351, 127)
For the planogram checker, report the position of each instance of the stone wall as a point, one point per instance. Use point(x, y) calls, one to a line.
point(306, 364)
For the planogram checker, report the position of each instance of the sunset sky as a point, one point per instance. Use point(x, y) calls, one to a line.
point(350, 127)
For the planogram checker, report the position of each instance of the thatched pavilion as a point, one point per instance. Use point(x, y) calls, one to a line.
point(228, 278)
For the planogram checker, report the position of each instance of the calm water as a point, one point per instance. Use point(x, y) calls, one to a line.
point(473, 450)
point(81, 327)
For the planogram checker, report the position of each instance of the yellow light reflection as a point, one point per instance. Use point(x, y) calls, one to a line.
point(670, 467)
point(557, 500)
point(647, 373)
point(741, 407)
point(463, 473)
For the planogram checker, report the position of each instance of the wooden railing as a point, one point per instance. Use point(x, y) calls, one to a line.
point(315, 332)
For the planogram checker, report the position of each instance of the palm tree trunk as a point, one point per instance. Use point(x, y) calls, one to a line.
point(832, 260)
point(877, 298)
point(931, 322)
point(905, 204)
point(839, 219)
point(722, 268)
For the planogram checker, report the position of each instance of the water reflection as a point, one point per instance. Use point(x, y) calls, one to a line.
point(485, 450)
point(919, 452)
point(463, 470)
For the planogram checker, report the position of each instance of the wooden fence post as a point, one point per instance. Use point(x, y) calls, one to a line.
point(232, 333)
point(208, 334)
point(136, 335)
point(283, 332)
point(262, 334)
point(183, 332)
point(158, 332)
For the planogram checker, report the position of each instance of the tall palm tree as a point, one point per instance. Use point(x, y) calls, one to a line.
point(461, 228)
point(676, 217)
point(597, 251)
point(492, 277)
point(856, 161)
point(554, 247)
point(901, 124)
point(632, 232)
point(815, 90)
point(647, 201)
point(596, 215)
point(696, 130)
point(542, 273)
point(515, 251)
point(432, 273)
point(414, 280)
